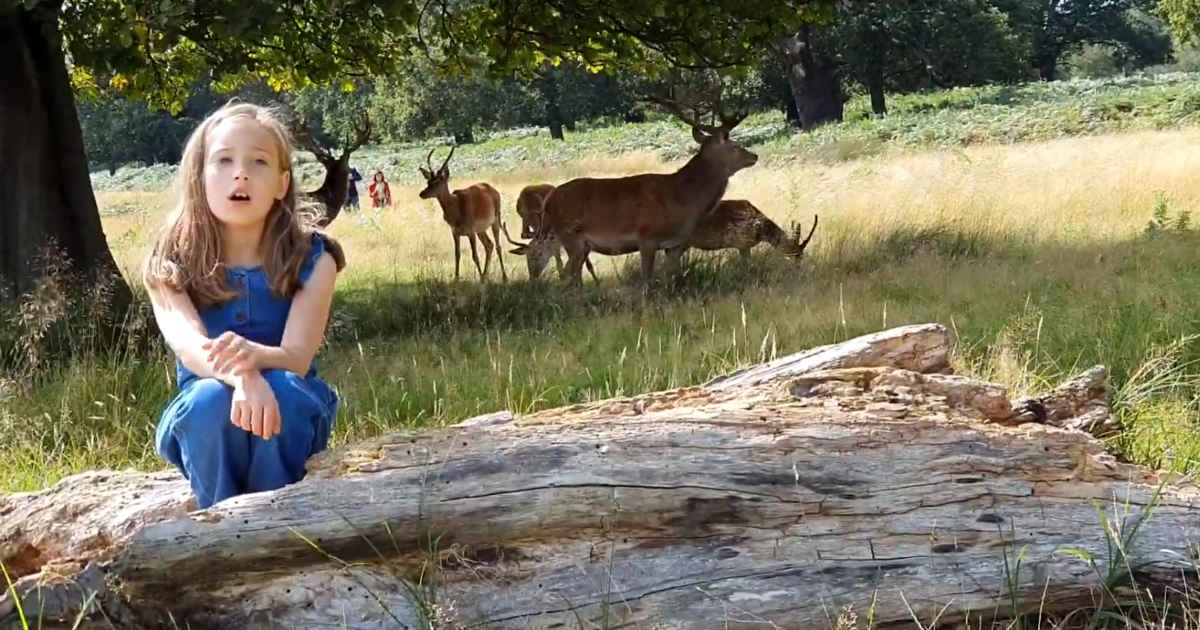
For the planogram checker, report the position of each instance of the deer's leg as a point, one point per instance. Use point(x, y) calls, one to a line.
point(577, 253)
point(592, 270)
point(457, 253)
point(487, 251)
point(648, 250)
point(475, 255)
point(499, 251)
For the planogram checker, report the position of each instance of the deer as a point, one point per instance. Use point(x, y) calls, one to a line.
point(739, 224)
point(733, 224)
point(469, 212)
point(529, 207)
point(640, 213)
point(331, 196)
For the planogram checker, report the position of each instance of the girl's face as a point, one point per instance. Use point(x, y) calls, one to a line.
point(378, 177)
point(243, 176)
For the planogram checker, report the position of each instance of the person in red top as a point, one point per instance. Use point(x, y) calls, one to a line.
point(380, 192)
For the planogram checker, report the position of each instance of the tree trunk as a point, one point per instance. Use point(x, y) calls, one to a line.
point(858, 474)
point(550, 95)
point(1048, 68)
point(813, 78)
point(46, 195)
point(875, 88)
point(464, 136)
point(790, 112)
point(1047, 50)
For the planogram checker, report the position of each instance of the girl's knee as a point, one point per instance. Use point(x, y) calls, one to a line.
point(197, 422)
point(209, 392)
point(204, 401)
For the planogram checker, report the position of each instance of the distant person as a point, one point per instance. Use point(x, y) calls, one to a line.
point(352, 191)
point(381, 193)
point(241, 288)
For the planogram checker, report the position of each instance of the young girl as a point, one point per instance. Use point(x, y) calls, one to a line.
point(241, 289)
point(381, 193)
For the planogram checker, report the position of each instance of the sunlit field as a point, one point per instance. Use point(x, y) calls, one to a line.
point(1039, 255)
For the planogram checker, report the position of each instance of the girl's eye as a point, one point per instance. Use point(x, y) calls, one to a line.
point(260, 161)
point(225, 160)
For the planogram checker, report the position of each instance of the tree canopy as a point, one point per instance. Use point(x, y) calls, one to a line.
point(1184, 18)
point(157, 49)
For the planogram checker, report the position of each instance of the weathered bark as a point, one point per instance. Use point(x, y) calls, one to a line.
point(813, 78)
point(45, 192)
point(777, 495)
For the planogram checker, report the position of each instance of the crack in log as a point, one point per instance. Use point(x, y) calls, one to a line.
point(619, 486)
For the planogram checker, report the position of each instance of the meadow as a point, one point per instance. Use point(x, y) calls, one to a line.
point(1048, 225)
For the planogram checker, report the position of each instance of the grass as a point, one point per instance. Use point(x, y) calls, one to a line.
point(1045, 257)
point(1049, 225)
point(1040, 272)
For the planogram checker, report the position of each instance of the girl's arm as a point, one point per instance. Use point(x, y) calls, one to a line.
point(306, 322)
point(186, 334)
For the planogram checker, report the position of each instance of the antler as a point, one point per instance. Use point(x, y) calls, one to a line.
point(302, 132)
point(447, 160)
point(673, 106)
point(797, 230)
point(504, 228)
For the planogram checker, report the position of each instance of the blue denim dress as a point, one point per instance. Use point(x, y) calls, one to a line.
point(194, 433)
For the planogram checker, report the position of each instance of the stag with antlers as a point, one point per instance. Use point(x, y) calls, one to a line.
point(738, 224)
point(469, 212)
point(641, 213)
point(334, 190)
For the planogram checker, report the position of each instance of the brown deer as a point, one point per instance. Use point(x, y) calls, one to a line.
point(529, 207)
point(469, 212)
point(332, 193)
point(641, 213)
point(738, 224)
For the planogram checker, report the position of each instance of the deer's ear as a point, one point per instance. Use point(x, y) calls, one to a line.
point(698, 135)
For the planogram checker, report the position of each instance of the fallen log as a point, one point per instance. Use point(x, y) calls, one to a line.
point(860, 474)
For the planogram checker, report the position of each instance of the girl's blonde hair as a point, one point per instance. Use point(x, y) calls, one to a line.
point(187, 254)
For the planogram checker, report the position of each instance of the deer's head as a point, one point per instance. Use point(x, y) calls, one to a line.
point(435, 179)
point(794, 247)
point(716, 146)
point(537, 252)
point(719, 149)
point(531, 220)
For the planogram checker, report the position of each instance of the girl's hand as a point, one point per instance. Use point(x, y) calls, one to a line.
point(254, 407)
point(231, 353)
